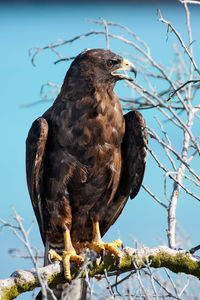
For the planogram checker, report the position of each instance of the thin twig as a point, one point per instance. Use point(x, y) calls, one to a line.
point(180, 40)
point(180, 87)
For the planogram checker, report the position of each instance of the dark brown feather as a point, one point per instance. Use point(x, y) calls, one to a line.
point(78, 168)
point(133, 167)
point(35, 148)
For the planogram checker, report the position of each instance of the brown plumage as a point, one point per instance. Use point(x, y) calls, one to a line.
point(83, 157)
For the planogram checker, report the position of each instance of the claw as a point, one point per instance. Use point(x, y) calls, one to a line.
point(49, 258)
point(52, 255)
point(68, 280)
point(82, 263)
point(102, 256)
point(100, 247)
point(118, 259)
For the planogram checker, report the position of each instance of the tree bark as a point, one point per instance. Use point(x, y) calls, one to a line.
point(175, 260)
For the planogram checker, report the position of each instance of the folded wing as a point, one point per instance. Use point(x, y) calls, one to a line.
point(35, 150)
point(133, 166)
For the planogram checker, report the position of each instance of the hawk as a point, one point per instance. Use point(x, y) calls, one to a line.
point(84, 158)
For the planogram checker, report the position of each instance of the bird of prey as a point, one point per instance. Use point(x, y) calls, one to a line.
point(84, 158)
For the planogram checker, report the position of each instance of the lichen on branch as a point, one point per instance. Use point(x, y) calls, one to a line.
point(132, 259)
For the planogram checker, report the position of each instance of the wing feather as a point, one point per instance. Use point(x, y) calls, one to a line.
point(133, 159)
point(35, 149)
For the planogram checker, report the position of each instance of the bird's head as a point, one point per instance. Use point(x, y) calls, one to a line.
point(103, 66)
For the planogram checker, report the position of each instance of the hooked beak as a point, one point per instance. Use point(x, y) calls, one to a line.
point(126, 65)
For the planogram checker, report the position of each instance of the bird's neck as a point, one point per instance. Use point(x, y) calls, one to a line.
point(86, 87)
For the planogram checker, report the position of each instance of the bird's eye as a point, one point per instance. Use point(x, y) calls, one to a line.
point(110, 63)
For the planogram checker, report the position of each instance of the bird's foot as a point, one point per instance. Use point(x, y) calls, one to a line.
point(99, 246)
point(66, 257)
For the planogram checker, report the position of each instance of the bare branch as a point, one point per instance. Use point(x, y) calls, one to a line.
point(170, 176)
point(189, 1)
point(180, 87)
point(106, 32)
point(162, 256)
point(161, 19)
point(58, 43)
point(153, 196)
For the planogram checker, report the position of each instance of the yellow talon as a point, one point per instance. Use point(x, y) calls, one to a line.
point(117, 243)
point(54, 256)
point(68, 255)
point(66, 265)
point(99, 246)
point(77, 259)
point(111, 248)
point(66, 258)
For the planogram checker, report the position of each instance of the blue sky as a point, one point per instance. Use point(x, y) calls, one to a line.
point(24, 26)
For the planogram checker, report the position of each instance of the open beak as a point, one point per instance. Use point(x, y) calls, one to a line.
point(126, 65)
